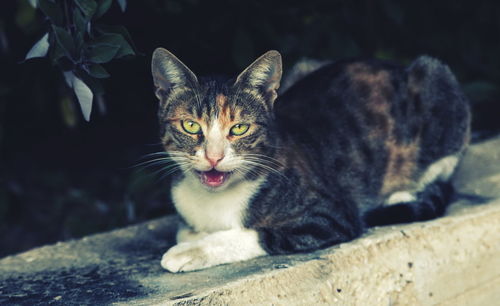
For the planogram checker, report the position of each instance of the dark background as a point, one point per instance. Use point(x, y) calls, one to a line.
point(62, 178)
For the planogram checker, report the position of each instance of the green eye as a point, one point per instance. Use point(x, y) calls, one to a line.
point(239, 129)
point(191, 127)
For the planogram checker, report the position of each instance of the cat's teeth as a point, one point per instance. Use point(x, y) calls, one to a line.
point(213, 178)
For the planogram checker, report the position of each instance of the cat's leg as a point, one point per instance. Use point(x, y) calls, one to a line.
point(214, 249)
point(316, 228)
point(185, 233)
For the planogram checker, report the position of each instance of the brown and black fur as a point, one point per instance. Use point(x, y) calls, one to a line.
point(365, 129)
point(342, 140)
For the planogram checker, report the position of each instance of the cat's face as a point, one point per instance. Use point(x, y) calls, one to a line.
point(218, 133)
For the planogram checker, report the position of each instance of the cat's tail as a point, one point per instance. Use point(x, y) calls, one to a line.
point(429, 204)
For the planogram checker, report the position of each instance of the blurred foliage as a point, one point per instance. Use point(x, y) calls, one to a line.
point(61, 177)
point(78, 45)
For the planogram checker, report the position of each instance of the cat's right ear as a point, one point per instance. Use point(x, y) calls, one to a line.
point(264, 74)
point(169, 72)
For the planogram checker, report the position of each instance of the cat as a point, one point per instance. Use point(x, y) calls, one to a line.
point(353, 144)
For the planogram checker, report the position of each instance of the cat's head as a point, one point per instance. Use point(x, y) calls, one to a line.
point(219, 132)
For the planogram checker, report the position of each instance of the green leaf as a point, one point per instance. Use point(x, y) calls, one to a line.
point(56, 52)
point(125, 49)
point(80, 21)
point(39, 49)
point(84, 95)
point(88, 7)
point(97, 71)
point(52, 11)
point(82, 91)
point(102, 7)
point(68, 78)
point(107, 29)
point(64, 40)
point(122, 4)
point(102, 53)
point(117, 40)
point(79, 42)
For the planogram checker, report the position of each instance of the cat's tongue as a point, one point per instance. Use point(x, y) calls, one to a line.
point(213, 178)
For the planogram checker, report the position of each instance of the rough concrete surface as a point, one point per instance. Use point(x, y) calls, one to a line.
point(454, 260)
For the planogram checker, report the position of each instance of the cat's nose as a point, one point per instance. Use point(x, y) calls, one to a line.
point(214, 159)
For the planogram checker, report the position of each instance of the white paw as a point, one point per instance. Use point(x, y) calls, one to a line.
point(185, 256)
point(214, 249)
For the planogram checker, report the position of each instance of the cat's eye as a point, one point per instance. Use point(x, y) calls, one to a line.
point(191, 127)
point(239, 129)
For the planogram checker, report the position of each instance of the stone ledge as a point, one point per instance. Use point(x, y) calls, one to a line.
point(454, 260)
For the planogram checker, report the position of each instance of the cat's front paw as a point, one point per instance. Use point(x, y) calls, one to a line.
point(214, 249)
point(185, 256)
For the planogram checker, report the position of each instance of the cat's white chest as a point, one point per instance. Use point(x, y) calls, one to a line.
point(208, 211)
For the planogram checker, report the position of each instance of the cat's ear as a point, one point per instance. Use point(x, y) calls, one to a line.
point(264, 74)
point(169, 72)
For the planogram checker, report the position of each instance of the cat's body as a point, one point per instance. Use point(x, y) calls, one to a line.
point(354, 144)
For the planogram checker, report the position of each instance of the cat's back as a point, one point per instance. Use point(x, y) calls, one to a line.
point(374, 123)
point(372, 92)
point(341, 87)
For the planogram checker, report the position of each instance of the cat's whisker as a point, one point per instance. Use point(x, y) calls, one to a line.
point(264, 167)
point(265, 162)
point(153, 162)
point(263, 156)
point(178, 156)
point(167, 168)
point(181, 157)
point(155, 154)
point(162, 156)
point(186, 166)
point(268, 163)
point(248, 170)
point(259, 162)
point(169, 172)
point(167, 162)
point(176, 152)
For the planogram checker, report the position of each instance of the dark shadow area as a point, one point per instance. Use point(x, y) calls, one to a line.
point(91, 285)
point(123, 259)
point(62, 177)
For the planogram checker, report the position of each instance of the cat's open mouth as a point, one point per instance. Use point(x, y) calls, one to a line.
point(213, 178)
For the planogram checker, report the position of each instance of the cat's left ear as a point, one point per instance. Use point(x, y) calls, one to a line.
point(264, 74)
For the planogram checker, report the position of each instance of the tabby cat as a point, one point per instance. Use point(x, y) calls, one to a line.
point(354, 144)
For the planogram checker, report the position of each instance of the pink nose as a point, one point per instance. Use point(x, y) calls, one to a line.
point(214, 159)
